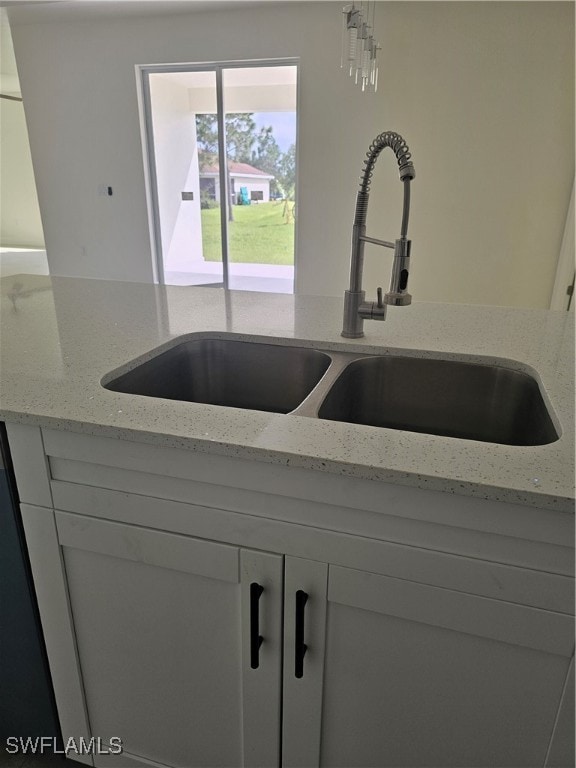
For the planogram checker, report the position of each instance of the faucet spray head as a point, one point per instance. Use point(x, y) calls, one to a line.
point(398, 296)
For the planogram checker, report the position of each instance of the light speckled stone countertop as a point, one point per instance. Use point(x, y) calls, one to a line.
point(60, 336)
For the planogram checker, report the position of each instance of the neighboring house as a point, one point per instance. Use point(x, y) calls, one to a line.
point(241, 175)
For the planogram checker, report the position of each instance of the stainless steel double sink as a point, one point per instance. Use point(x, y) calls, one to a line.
point(454, 398)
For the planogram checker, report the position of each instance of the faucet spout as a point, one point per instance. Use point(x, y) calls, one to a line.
point(356, 309)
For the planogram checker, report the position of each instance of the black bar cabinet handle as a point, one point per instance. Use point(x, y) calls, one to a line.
point(256, 638)
point(300, 646)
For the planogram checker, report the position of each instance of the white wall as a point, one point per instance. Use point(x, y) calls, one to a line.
point(482, 91)
point(176, 156)
point(20, 223)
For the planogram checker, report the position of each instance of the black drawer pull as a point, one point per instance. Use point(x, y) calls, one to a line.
point(256, 638)
point(300, 646)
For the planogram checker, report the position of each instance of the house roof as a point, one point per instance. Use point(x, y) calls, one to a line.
point(235, 169)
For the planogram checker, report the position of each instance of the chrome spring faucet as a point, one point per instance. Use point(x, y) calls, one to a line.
point(356, 309)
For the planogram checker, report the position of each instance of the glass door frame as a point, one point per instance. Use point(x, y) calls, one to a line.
point(143, 73)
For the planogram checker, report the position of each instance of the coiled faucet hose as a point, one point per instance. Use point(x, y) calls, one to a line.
point(400, 149)
point(407, 173)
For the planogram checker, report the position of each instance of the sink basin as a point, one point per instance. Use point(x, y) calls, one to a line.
point(452, 398)
point(441, 397)
point(238, 374)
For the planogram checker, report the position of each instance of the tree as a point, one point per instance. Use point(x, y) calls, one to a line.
point(287, 180)
point(207, 138)
point(240, 137)
point(267, 156)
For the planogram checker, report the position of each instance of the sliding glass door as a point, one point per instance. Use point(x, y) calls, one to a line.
point(178, 191)
point(231, 223)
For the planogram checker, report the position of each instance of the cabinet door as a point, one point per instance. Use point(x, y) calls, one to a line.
point(420, 676)
point(304, 626)
point(167, 630)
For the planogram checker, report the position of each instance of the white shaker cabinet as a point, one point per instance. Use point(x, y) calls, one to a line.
point(444, 643)
point(167, 632)
point(415, 676)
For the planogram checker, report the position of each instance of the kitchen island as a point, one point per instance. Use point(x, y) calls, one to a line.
point(60, 336)
point(417, 580)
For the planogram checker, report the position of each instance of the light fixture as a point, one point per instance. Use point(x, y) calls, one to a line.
point(359, 48)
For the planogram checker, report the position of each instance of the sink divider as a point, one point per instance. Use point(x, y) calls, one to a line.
point(313, 402)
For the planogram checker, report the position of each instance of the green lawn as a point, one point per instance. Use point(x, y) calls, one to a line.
point(259, 234)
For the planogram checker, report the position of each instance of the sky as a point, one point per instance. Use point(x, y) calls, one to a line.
point(283, 124)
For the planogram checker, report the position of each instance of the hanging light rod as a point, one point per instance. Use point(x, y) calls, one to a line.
point(359, 47)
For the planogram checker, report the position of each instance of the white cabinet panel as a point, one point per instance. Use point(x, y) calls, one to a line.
point(496, 619)
point(304, 624)
point(159, 636)
point(262, 661)
point(532, 586)
point(561, 752)
point(53, 604)
point(414, 676)
point(166, 550)
point(30, 464)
